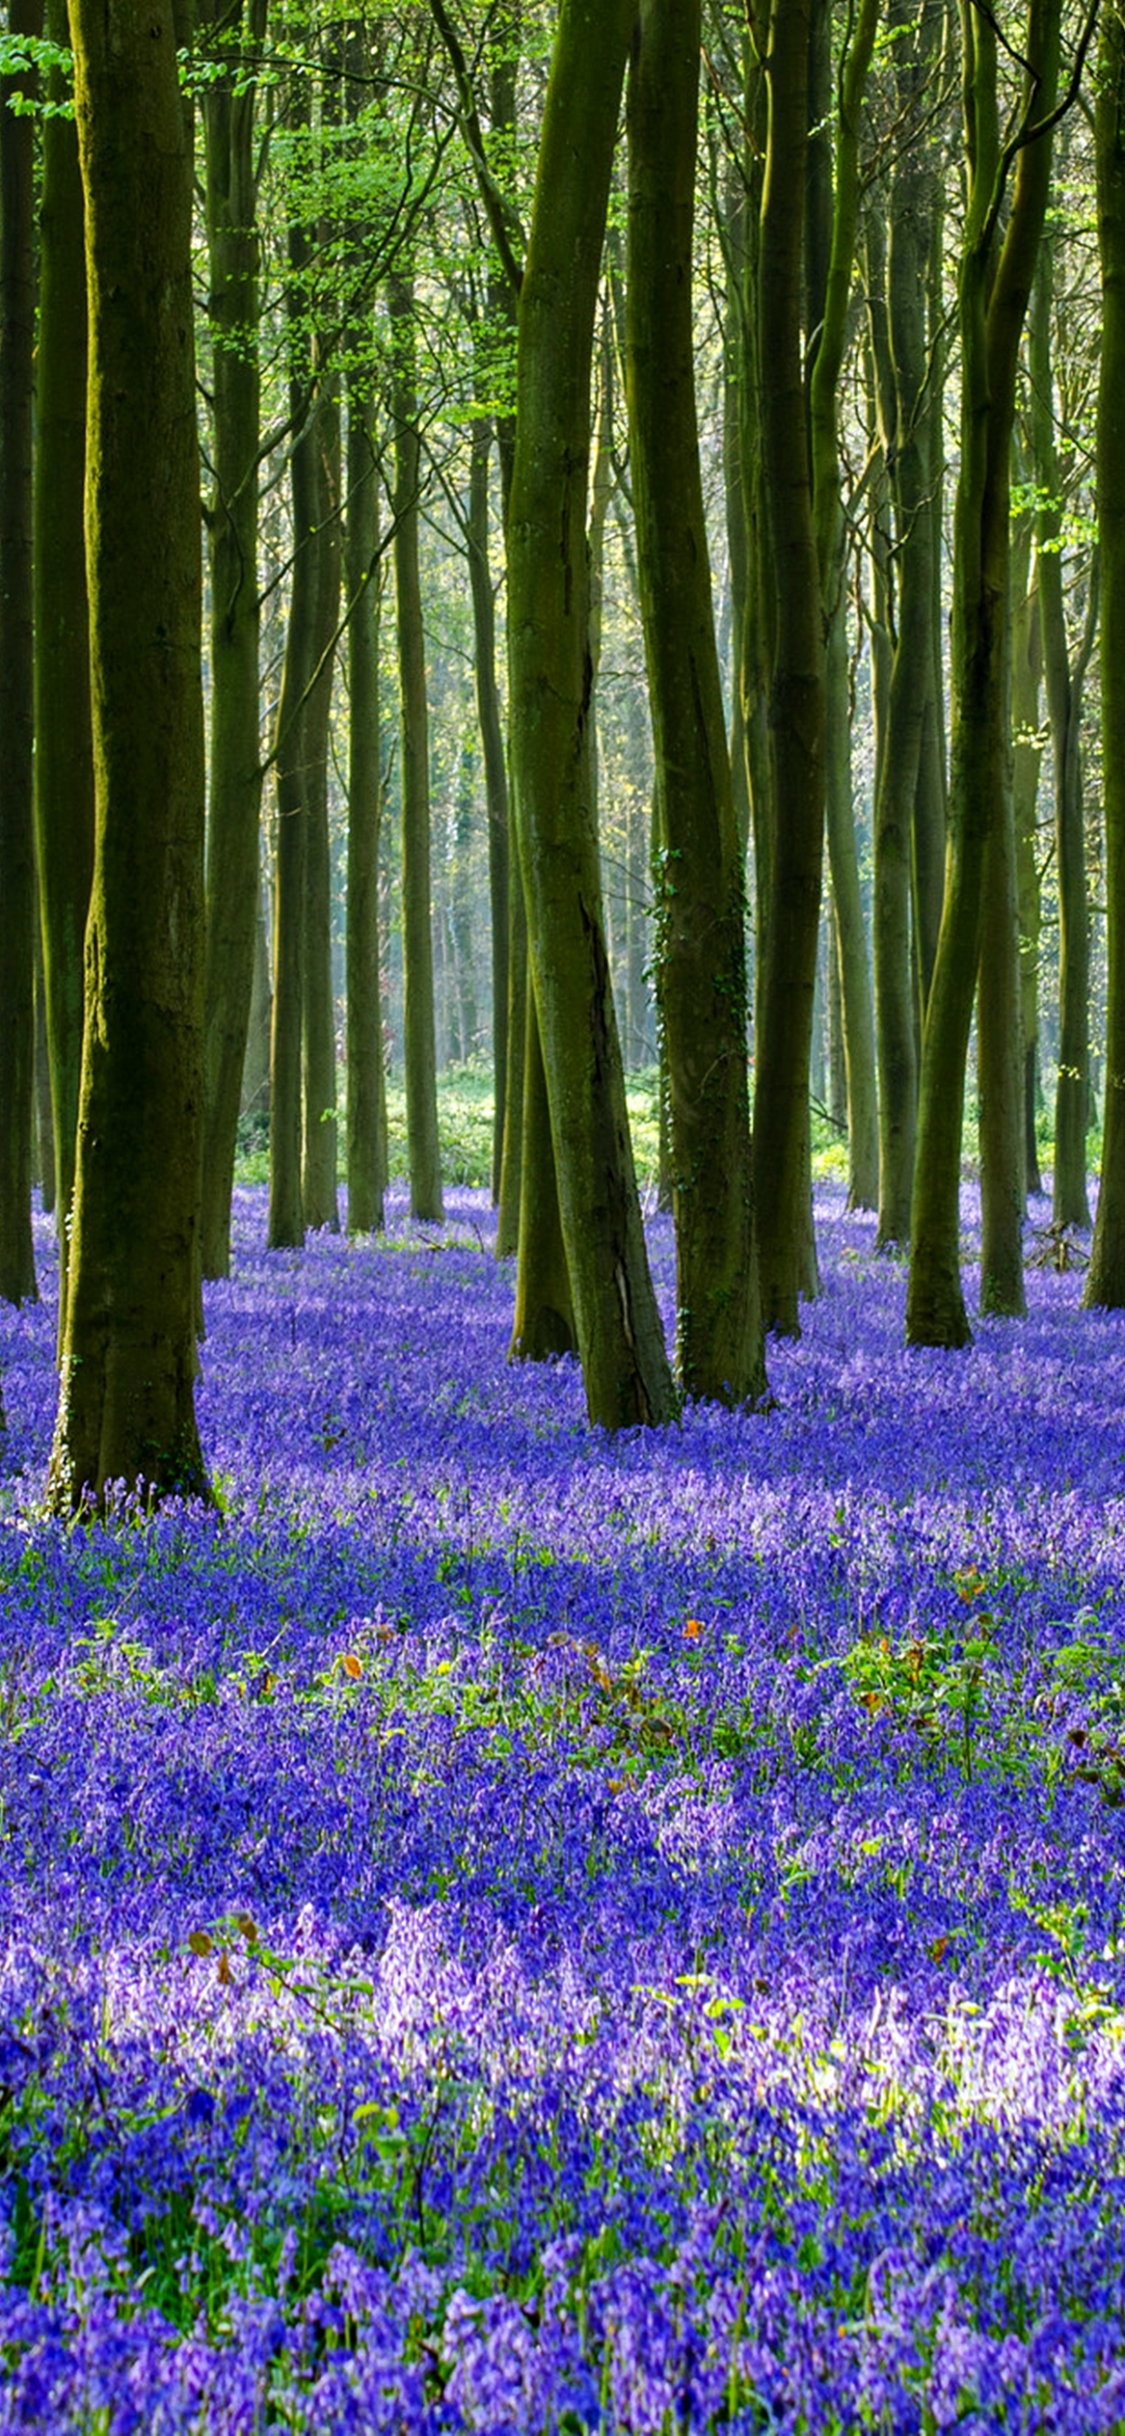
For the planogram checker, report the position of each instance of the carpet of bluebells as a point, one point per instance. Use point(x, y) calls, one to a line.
point(504, 1929)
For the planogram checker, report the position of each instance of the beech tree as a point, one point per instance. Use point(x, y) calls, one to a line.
point(995, 281)
point(1105, 1280)
point(625, 1367)
point(126, 1403)
point(17, 848)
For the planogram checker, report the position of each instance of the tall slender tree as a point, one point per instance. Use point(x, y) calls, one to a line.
point(1105, 1278)
point(64, 765)
point(995, 280)
point(701, 960)
point(624, 1363)
point(126, 1404)
point(17, 818)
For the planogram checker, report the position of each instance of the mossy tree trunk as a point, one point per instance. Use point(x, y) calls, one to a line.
point(64, 765)
point(797, 691)
point(17, 677)
point(994, 287)
point(1105, 1278)
point(126, 1407)
point(417, 935)
point(234, 799)
point(626, 1372)
point(701, 956)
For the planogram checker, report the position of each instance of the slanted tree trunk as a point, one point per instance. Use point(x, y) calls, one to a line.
point(417, 938)
point(701, 964)
point(624, 1364)
point(228, 111)
point(1105, 1277)
point(64, 766)
point(797, 700)
point(17, 678)
point(366, 1131)
point(995, 283)
point(1063, 683)
point(126, 1410)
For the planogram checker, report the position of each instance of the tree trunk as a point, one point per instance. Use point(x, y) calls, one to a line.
point(511, 1162)
point(701, 957)
point(849, 945)
point(366, 1088)
point(625, 1368)
point(228, 109)
point(17, 677)
point(126, 1411)
point(1026, 755)
point(64, 766)
point(417, 937)
point(286, 1200)
point(993, 304)
point(495, 771)
point(1105, 1278)
point(543, 1326)
point(1064, 708)
point(797, 703)
point(908, 700)
point(255, 1099)
point(318, 1176)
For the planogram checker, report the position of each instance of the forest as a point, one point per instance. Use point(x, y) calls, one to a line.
point(562, 1217)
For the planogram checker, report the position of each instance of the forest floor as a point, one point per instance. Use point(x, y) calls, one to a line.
point(504, 1929)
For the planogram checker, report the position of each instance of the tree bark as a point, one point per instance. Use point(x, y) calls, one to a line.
point(234, 802)
point(126, 1409)
point(319, 1161)
point(1063, 683)
point(543, 1325)
point(624, 1364)
point(64, 766)
point(495, 771)
point(17, 677)
point(366, 1125)
point(417, 937)
point(701, 956)
point(1105, 1277)
point(286, 1224)
point(993, 297)
point(1026, 756)
point(797, 700)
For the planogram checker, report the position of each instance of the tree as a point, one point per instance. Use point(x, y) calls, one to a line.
point(1105, 1279)
point(624, 1364)
point(797, 689)
point(64, 764)
point(995, 280)
point(701, 941)
point(126, 1405)
point(234, 35)
point(417, 939)
point(17, 821)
